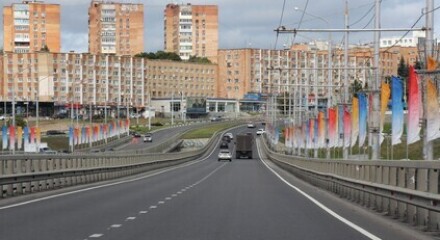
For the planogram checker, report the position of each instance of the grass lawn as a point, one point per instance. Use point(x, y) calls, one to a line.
point(208, 131)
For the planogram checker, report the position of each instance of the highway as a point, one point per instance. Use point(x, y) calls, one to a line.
point(204, 199)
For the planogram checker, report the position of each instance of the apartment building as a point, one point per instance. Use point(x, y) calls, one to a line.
point(31, 26)
point(191, 30)
point(100, 80)
point(116, 28)
point(303, 69)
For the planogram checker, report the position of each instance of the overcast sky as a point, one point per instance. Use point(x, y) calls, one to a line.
point(250, 23)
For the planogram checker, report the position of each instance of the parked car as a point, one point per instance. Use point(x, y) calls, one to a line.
point(46, 150)
point(224, 154)
point(54, 132)
point(148, 137)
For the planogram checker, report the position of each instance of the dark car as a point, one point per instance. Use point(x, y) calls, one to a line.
point(224, 144)
point(55, 132)
point(226, 139)
point(137, 135)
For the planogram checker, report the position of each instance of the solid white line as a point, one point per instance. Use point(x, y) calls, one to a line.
point(322, 206)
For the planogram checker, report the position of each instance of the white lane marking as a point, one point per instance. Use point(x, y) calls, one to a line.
point(174, 195)
point(143, 212)
point(116, 226)
point(96, 235)
point(322, 206)
point(110, 184)
point(160, 202)
point(167, 198)
point(130, 219)
point(179, 192)
point(153, 207)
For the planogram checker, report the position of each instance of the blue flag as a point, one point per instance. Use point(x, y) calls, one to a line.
point(397, 110)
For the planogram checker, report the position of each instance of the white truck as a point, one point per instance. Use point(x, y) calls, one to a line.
point(35, 148)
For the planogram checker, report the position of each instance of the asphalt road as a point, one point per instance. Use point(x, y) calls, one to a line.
point(205, 199)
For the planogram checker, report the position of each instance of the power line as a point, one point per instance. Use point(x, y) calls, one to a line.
point(281, 21)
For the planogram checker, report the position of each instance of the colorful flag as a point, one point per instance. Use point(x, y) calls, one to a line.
point(4, 137)
point(315, 137)
point(11, 137)
point(19, 137)
point(432, 112)
point(332, 114)
point(321, 129)
point(71, 136)
point(32, 135)
point(397, 110)
point(384, 96)
point(362, 118)
point(413, 128)
point(354, 121)
point(311, 133)
point(38, 135)
point(347, 127)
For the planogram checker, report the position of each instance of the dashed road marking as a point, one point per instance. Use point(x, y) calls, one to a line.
point(130, 219)
point(143, 212)
point(116, 226)
point(160, 202)
point(153, 207)
point(96, 235)
point(179, 192)
point(167, 198)
point(174, 195)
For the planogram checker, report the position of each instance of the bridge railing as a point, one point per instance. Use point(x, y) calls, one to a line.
point(22, 174)
point(405, 190)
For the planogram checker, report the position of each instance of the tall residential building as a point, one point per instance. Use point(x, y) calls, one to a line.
point(116, 28)
point(191, 30)
point(31, 26)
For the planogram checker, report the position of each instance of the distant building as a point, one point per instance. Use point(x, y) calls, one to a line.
point(411, 41)
point(31, 26)
point(191, 30)
point(116, 28)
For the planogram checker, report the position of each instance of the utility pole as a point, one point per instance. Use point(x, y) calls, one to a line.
point(376, 88)
point(429, 41)
point(346, 99)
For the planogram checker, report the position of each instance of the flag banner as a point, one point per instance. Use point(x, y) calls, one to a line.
point(432, 112)
point(76, 136)
point(4, 137)
point(321, 129)
point(19, 137)
point(88, 135)
point(341, 128)
point(413, 127)
point(397, 110)
point(384, 97)
point(38, 135)
point(362, 118)
point(70, 136)
point(26, 136)
point(311, 133)
point(32, 135)
point(332, 126)
point(95, 133)
point(315, 131)
point(11, 138)
point(347, 127)
point(292, 136)
point(354, 121)
point(83, 135)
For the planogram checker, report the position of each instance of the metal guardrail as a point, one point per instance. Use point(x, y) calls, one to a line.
point(404, 190)
point(23, 174)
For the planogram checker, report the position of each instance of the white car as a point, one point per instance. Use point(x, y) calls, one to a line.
point(230, 135)
point(251, 125)
point(224, 154)
point(260, 131)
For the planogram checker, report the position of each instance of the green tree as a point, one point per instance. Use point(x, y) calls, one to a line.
point(160, 55)
point(195, 59)
point(418, 64)
point(356, 86)
point(402, 70)
point(45, 49)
